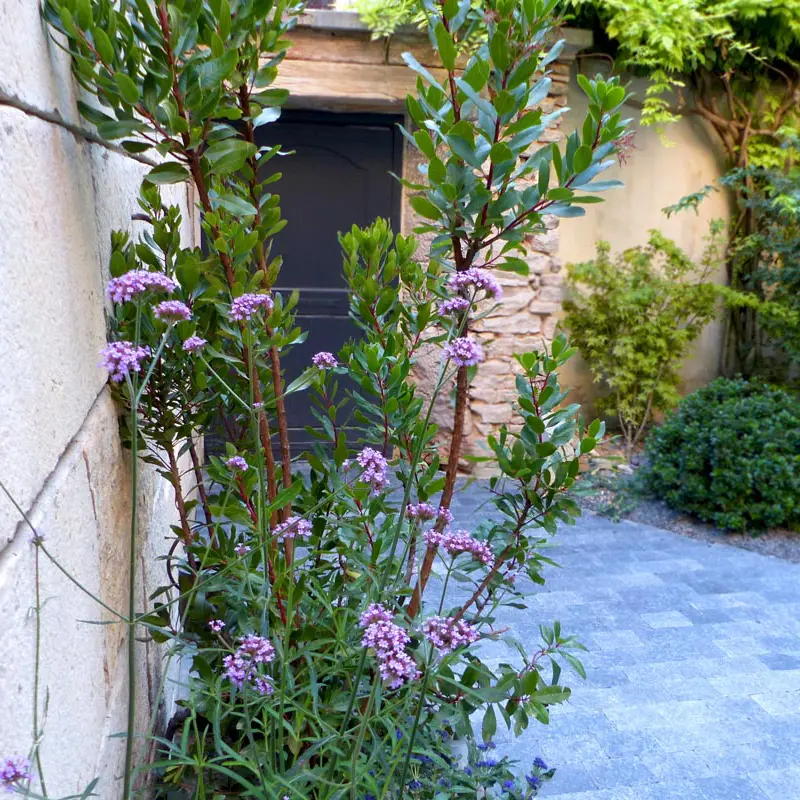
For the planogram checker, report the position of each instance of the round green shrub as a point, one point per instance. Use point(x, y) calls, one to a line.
point(730, 455)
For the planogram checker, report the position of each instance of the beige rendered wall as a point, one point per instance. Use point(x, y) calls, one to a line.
point(60, 452)
point(655, 176)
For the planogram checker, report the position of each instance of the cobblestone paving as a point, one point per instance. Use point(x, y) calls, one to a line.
point(693, 684)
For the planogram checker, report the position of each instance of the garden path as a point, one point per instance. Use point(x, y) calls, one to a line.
point(693, 669)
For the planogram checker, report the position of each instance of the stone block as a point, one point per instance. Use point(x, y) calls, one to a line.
point(544, 242)
point(544, 308)
point(495, 413)
point(521, 323)
point(550, 294)
point(553, 279)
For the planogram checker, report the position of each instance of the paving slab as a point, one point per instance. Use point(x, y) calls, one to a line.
point(693, 665)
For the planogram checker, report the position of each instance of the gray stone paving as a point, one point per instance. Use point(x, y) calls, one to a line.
point(693, 684)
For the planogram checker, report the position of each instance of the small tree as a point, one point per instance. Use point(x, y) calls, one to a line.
point(633, 319)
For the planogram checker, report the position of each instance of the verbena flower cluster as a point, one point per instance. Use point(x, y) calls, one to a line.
point(216, 625)
point(14, 772)
point(464, 352)
point(136, 282)
point(389, 641)
point(455, 305)
point(457, 542)
point(373, 466)
point(236, 463)
point(477, 277)
point(172, 311)
point(420, 511)
point(242, 666)
point(447, 635)
point(294, 526)
point(194, 344)
point(123, 358)
point(324, 360)
point(244, 306)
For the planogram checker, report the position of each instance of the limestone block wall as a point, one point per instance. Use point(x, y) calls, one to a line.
point(60, 451)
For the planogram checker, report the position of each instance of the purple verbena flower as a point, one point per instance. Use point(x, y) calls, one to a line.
point(447, 635)
point(534, 781)
point(477, 277)
point(13, 772)
point(486, 746)
point(122, 358)
point(457, 542)
point(539, 763)
point(464, 352)
point(136, 282)
point(236, 463)
point(263, 685)
point(445, 516)
point(246, 305)
point(241, 549)
point(487, 763)
point(420, 511)
point(172, 311)
point(324, 360)
point(374, 613)
point(216, 625)
point(373, 466)
point(389, 641)
point(240, 666)
point(454, 306)
point(194, 344)
point(294, 526)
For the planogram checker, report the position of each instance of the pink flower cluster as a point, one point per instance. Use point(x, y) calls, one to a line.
point(136, 282)
point(216, 625)
point(241, 666)
point(246, 305)
point(454, 306)
point(14, 772)
point(420, 511)
point(457, 542)
point(172, 311)
point(194, 344)
point(294, 526)
point(389, 641)
point(373, 466)
point(464, 352)
point(445, 516)
point(236, 463)
point(122, 358)
point(325, 360)
point(447, 635)
point(477, 277)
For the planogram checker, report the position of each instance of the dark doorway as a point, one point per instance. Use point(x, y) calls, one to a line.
point(338, 176)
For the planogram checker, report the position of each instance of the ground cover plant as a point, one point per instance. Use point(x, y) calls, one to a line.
point(329, 654)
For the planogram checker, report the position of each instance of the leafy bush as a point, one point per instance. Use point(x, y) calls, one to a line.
point(311, 606)
point(730, 454)
point(633, 319)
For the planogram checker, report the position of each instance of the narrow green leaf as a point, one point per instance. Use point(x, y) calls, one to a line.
point(169, 172)
point(127, 88)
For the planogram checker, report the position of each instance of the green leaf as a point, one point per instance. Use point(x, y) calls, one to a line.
point(169, 172)
point(498, 48)
point(582, 158)
point(489, 726)
point(127, 88)
point(269, 114)
point(424, 207)
point(614, 97)
point(103, 45)
point(234, 204)
point(560, 193)
point(229, 155)
point(501, 152)
point(445, 46)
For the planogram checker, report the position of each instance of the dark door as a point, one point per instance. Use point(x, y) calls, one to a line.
point(337, 176)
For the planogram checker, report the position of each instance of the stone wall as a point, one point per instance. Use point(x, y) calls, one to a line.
point(60, 452)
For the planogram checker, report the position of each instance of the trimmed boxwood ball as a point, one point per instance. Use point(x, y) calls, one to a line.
point(730, 455)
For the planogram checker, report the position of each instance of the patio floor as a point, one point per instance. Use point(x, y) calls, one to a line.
point(693, 669)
